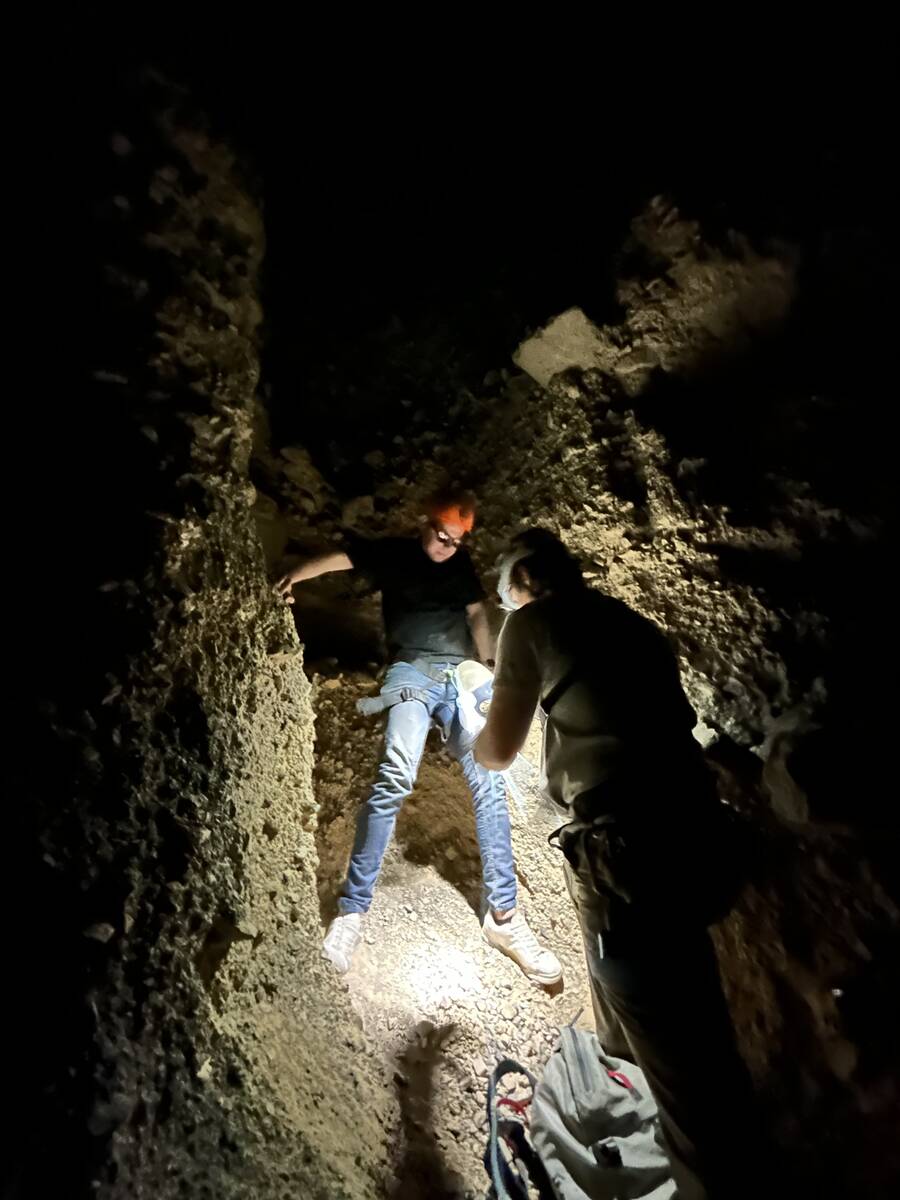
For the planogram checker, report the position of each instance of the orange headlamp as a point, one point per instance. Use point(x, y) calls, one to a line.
point(454, 515)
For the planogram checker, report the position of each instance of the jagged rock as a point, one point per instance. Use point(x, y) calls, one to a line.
point(357, 512)
point(569, 340)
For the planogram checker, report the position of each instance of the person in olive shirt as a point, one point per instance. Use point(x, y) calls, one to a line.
point(620, 763)
point(434, 616)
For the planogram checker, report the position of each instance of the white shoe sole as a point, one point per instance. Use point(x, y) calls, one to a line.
point(541, 980)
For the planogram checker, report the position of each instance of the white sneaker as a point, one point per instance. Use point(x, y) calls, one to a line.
point(515, 939)
point(342, 939)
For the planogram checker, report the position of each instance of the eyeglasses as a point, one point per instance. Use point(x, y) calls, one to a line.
point(444, 538)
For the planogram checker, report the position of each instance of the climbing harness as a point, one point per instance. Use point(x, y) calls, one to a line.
point(474, 686)
point(472, 683)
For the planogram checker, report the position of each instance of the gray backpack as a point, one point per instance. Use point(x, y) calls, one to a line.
point(594, 1133)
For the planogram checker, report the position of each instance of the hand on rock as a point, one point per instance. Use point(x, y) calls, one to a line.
point(284, 588)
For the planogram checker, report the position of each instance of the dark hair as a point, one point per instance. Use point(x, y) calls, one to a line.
point(550, 564)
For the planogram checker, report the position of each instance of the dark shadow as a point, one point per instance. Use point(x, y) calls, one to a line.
point(839, 764)
point(422, 1171)
point(436, 827)
point(337, 629)
point(743, 426)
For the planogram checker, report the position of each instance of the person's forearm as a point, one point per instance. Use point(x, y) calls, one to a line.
point(508, 721)
point(488, 755)
point(485, 643)
point(322, 564)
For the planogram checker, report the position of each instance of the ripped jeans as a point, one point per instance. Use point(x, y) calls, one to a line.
point(407, 728)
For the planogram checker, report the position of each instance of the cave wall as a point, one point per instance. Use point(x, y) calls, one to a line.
point(694, 454)
point(186, 1038)
point(176, 1032)
point(687, 456)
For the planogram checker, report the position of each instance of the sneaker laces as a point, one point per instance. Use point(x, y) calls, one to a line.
point(522, 937)
point(344, 933)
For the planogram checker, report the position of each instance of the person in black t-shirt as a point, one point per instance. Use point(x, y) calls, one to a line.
point(434, 618)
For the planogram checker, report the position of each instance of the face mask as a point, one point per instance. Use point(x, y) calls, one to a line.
point(507, 563)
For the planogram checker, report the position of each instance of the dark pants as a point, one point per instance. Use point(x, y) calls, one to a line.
point(658, 1001)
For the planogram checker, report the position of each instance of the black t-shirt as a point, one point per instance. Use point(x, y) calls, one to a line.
point(424, 602)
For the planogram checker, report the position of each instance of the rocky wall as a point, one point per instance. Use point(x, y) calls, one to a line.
point(186, 1038)
point(681, 454)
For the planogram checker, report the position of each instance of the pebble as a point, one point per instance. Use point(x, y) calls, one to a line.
point(101, 932)
point(508, 1011)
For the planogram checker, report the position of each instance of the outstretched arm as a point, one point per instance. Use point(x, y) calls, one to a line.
point(322, 564)
point(517, 689)
point(481, 631)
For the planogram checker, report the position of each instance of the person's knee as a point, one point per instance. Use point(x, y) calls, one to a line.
point(391, 789)
point(398, 770)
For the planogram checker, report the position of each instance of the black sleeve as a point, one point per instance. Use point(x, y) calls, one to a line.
point(362, 552)
point(379, 558)
point(470, 589)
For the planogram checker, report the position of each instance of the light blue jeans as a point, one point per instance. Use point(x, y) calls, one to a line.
point(407, 729)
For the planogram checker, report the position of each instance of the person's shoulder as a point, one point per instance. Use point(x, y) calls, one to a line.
point(397, 552)
point(373, 553)
point(354, 542)
point(548, 610)
point(525, 621)
point(462, 558)
point(619, 610)
point(382, 542)
point(603, 604)
point(463, 567)
point(585, 608)
point(616, 614)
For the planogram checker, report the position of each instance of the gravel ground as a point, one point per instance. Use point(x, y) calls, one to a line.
point(438, 1004)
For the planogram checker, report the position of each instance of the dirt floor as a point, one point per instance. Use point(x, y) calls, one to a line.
point(440, 1006)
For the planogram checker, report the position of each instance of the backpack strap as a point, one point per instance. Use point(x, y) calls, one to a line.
point(571, 676)
point(508, 1182)
point(507, 1185)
